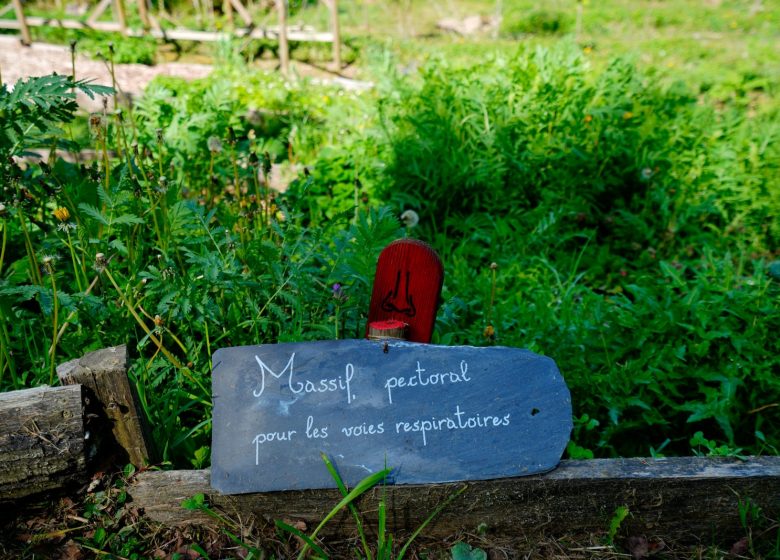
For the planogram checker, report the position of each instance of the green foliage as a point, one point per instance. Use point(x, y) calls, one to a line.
point(518, 22)
point(385, 549)
point(463, 551)
point(621, 512)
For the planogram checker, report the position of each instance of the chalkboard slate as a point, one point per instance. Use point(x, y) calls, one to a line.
point(432, 413)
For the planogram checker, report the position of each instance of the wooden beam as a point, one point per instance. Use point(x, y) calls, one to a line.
point(301, 35)
point(335, 28)
point(243, 12)
point(681, 499)
point(143, 13)
point(97, 12)
point(104, 374)
point(119, 7)
point(22, 21)
point(42, 441)
point(284, 47)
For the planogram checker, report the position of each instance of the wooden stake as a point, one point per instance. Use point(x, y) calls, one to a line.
point(26, 37)
point(284, 48)
point(143, 13)
point(121, 16)
point(227, 9)
point(335, 28)
point(242, 12)
point(104, 373)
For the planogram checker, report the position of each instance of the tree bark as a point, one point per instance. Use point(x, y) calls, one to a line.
point(681, 499)
point(42, 441)
point(104, 374)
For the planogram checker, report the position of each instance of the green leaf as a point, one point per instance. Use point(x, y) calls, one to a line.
point(93, 213)
point(463, 551)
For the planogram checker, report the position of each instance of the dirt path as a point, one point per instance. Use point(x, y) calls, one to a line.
point(17, 61)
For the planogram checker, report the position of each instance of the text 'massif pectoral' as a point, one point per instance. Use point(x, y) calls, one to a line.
point(324, 385)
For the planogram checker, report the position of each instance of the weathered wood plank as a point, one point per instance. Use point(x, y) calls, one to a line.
point(104, 374)
point(683, 499)
point(42, 441)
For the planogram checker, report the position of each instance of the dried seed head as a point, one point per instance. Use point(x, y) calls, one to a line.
point(95, 121)
point(158, 322)
point(100, 262)
point(214, 144)
point(3, 209)
point(159, 133)
point(73, 45)
point(48, 264)
point(493, 266)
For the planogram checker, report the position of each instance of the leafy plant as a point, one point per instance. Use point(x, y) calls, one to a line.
point(385, 549)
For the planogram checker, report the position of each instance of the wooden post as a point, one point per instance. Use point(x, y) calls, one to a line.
point(335, 28)
point(284, 48)
point(121, 16)
point(104, 374)
point(26, 37)
point(42, 441)
point(227, 9)
point(143, 13)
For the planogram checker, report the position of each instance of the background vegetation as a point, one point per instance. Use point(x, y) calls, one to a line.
point(618, 162)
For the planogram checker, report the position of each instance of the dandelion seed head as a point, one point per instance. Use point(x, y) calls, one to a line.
point(410, 218)
point(214, 144)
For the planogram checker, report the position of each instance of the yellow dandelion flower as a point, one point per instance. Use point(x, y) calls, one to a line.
point(628, 115)
point(588, 118)
point(62, 214)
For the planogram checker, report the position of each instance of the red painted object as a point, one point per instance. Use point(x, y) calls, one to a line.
point(407, 286)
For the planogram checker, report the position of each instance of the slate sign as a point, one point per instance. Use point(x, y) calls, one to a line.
point(432, 413)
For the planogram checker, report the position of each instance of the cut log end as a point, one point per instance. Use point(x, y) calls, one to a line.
point(391, 329)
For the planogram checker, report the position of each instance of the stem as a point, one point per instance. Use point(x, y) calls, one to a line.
point(35, 273)
point(76, 268)
point(69, 317)
point(2, 249)
point(141, 323)
point(55, 326)
point(5, 352)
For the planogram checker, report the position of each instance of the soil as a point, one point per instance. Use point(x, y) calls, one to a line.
point(19, 61)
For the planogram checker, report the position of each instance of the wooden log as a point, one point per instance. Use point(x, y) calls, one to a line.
point(682, 499)
point(104, 374)
point(42, 441)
